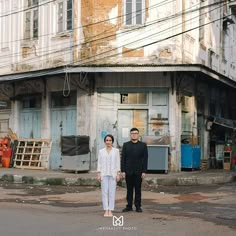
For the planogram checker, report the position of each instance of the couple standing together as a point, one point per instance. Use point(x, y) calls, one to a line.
point(133, 166)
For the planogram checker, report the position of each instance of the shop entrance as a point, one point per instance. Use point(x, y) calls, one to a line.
point(63, 123)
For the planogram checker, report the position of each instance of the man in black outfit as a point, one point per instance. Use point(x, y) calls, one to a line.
point(133, 168)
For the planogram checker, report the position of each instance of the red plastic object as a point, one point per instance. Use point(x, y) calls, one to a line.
point(6, 162)
point(234, 161)
point(4, 142)
point(6, 157)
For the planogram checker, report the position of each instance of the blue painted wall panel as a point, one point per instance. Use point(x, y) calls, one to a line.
point(30, 124)
point(63, 123)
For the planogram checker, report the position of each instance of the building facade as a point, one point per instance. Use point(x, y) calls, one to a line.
point(73, 67)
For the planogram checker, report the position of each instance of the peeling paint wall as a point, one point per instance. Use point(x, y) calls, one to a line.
point(127, 44)
point(100, 22)
point(101, 36)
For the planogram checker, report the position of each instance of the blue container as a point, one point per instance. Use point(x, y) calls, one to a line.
point(190, 156)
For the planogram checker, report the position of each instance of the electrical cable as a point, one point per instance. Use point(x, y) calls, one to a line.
point(26, 9)
point(125, 32)
point(160, 20)
point(66, 86)
point(161, 40)
point(62, 71)
point(145, 38)
point(5, 56)
point(103, 21)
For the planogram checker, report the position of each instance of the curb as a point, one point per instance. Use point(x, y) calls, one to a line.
point(19, 179)
point(148, 182)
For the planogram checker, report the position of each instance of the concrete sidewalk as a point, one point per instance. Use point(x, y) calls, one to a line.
point(49, 177)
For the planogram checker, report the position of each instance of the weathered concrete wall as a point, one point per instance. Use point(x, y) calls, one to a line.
point(100, 36)
point(100, 22)
point(46, 116)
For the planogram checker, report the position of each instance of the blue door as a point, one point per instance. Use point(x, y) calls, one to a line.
point(63, 123)
point(30, 117)
point(30, 123)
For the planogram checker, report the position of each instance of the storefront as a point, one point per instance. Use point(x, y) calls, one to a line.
point(222, 139)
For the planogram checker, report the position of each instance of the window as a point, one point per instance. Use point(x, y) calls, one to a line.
point(31, 102)
point(4, 24)
point(134, 12)
point(58, 100)
point(133, 98)
point(5, 104)
point(31, 19)
point(65, 12)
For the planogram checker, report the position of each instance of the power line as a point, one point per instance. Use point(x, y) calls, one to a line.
point(26, 9)
point(58, 71)
point(111, 50)
point(154, 22)
point(99, 22)
point(116, 49)
point(145, 38)
point(108, 36)
point(102, 33)
point(158, 41)
point(155, 5)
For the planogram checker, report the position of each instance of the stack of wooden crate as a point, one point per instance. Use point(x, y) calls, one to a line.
point(32, 153)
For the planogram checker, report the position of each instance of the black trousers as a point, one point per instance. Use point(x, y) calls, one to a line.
point(133, 183)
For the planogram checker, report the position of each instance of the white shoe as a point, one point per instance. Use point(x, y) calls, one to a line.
point(106, 214)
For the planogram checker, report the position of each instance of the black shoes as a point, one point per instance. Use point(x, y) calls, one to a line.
point(127, 209)
point(139, 209)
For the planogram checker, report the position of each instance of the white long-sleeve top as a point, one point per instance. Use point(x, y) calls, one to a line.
point(108, 163)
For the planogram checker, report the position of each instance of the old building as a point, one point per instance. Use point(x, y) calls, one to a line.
point(73, 67)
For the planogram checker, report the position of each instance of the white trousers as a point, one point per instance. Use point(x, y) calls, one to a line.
point(108, 187)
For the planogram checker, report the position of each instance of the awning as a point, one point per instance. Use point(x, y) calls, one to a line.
point(227, 123)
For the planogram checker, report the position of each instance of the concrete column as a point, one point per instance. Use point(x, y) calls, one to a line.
point(83, 113)
point(46, 124)
point(174, 129)
point(206, 147)
point(14, 122)
point(93, 131)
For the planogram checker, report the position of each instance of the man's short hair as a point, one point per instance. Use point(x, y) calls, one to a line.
point(134, 129)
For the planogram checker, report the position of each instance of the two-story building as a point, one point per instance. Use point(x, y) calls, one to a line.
point(73, 67)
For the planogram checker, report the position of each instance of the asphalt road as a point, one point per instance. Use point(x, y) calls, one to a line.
point(68, 211)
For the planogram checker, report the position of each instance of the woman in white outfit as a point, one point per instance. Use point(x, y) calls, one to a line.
point(108, 174)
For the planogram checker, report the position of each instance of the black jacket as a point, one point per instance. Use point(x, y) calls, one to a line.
point(134, 158)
